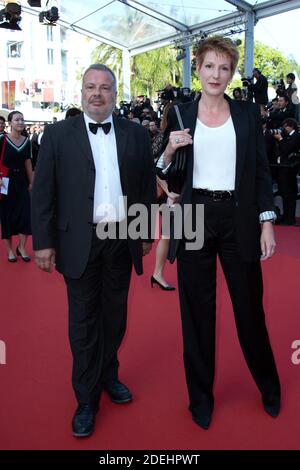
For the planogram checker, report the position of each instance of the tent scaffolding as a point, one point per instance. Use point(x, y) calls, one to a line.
point(139, 26)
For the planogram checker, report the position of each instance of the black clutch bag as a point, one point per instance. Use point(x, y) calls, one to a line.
point(177, 172)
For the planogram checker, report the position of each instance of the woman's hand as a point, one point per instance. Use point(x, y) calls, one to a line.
point(172, 198)
point(177, 139)
point(172, 195)
point(267, 241)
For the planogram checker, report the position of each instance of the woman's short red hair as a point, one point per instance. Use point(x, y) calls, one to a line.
point(220, 45)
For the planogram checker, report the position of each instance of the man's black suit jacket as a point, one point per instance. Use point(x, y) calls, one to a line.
point(253, 188)
point(63, 189)
point(260, 89)
point(289, 144)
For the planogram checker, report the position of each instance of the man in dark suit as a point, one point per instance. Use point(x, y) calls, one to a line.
point(260, 88)
point(286, 169)
point(86, 166)
point(284, 111)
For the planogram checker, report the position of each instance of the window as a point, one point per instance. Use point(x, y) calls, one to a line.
point(50, 56)
point(14, 49)
point(49, 33)
point(63, 34)
point(64, 67)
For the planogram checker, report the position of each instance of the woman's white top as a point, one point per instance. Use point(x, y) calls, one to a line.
point(214, 156)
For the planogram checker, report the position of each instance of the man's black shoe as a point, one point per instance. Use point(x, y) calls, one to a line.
point(83, 423)
point(118, 392)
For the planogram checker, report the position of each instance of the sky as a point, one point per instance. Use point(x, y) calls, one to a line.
point(281, 32)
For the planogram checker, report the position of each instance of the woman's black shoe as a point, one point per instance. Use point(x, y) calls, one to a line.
point(24, 258)
point(155, 281)
point(12, 260)
point(202, 421)
point(272, 406)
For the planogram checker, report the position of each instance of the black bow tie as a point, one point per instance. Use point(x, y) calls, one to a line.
point(94, 127)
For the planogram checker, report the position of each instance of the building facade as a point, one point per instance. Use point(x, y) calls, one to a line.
point(40, 68)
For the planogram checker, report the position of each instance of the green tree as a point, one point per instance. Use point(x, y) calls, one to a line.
point(272, 63)
point(155, 69)
point(150, 71)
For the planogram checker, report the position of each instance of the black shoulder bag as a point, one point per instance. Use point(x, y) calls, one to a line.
point(177, 172)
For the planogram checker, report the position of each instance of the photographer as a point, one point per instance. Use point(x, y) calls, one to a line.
point(163, 97)
point(182, 95)
point(259, 88)
point(269, 140)
point(237, 94)
point(125, 108)
point(279, 87)
point(247, 94)
point(291, 92)
point(288, 140)
point(156, 139)
point(142, 102)
point(287, 169)
point(284, 111)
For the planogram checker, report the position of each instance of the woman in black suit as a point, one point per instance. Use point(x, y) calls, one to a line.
point(227, 172)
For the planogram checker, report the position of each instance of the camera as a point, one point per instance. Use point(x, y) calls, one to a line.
point(246, 81)
point(125, 107)
point(278, 131)
point(183, 95)
point(165, 95)
point(247, 90)
point(279, 86)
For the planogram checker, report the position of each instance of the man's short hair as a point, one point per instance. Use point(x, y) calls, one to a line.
point(291, 76)
point(291, 122)
point(71, 112)
point(2, 119)
point(101, 68)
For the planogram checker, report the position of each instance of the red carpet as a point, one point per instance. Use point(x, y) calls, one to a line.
point(36, 398)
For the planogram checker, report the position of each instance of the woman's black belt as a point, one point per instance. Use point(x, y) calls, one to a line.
point(215, 195)
point(16, 170)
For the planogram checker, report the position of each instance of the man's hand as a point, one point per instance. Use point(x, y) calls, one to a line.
point(146, 248)
point(267, 241)
point(45, 259)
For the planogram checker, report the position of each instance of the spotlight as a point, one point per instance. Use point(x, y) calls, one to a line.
point(13, 10)
point(181, 54)
point(12, 14)
point(35, 3)
point(49, 17)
